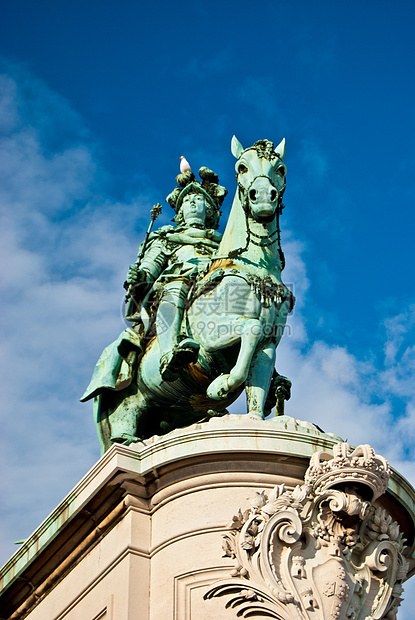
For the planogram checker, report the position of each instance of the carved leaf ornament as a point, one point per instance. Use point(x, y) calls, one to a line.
point(321, 551)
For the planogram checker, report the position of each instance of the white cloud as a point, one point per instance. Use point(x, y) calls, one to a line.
point(357, 399)
point(400, 353)
point(61, 288)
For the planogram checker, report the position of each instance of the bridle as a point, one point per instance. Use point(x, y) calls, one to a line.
point(264, 241)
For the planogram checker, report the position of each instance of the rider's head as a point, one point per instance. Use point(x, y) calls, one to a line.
point(193, 209)
point(195, 202)
point(195, 206)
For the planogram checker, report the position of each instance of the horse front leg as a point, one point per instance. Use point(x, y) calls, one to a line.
point(259, 380)
point(250, 334)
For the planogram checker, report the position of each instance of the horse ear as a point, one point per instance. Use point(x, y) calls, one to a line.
point(236, 147)
point(280, 149)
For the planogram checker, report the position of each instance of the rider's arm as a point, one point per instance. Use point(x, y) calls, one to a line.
point(154, 260)
point(150, 267)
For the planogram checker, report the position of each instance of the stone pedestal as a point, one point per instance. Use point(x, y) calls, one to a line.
point(141, 535)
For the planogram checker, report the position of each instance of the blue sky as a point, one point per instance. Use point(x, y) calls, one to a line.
point(97, 102)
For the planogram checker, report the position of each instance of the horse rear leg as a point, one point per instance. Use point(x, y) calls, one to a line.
point(250, 333)
point(259, 380)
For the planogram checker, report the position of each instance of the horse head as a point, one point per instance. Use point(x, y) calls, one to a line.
point(260, 174)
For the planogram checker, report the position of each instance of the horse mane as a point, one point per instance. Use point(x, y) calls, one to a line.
point(264, 148)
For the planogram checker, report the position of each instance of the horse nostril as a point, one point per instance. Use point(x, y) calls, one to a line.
point(274, 195)
point(252, 194)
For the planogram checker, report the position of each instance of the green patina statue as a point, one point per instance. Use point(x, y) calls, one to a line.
point(173, 260)
point(207, 311)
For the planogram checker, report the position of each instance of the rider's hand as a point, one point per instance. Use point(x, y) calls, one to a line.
point(215, 235)
point(135, 275)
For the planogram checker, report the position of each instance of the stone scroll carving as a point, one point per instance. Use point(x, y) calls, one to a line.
point(321, 551)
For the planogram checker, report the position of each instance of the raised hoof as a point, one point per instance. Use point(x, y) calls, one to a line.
point(219, 388)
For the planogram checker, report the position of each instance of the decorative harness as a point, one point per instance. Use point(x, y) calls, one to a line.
point(268, 291)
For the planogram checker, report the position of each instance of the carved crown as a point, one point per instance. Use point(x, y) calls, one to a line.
point(361, 466)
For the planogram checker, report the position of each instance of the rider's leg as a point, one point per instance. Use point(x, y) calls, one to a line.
point(170, 314)
point(174, 354)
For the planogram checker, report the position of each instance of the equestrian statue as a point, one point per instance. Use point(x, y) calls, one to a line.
point(207, 311)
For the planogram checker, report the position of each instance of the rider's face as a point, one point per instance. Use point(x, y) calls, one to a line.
point(194, 209)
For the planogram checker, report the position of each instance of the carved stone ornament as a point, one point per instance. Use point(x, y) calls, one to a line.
point(321, 551)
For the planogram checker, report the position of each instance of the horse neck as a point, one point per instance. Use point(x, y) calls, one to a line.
point(255, 259)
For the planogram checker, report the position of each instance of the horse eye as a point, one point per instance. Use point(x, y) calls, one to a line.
point(242, 169)
point(281, 171)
